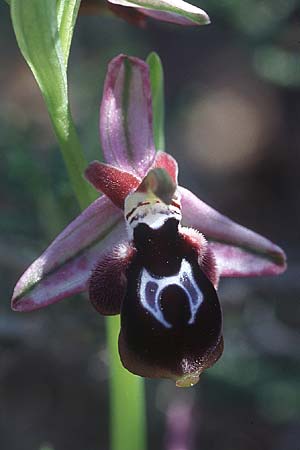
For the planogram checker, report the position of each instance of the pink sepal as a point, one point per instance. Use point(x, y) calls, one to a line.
point(126, 116)
point(64, 268)
point(238, 250)
point(235, 262)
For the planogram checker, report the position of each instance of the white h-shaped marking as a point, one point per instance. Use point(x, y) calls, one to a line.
point(184, 279)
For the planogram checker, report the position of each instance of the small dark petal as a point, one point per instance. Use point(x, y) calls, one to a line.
point(115, 183)
point(107, 284)
point(178, 338)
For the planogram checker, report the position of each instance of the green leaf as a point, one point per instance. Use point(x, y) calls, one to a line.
point(67, 11)
point(157, 88)
point(36, 28)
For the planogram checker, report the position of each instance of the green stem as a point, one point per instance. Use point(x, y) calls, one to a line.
point(127, 399)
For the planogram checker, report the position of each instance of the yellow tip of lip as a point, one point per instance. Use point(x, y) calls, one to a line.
point(188, 380)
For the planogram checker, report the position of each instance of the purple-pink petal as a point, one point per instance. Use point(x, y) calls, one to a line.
point(238, 250)
point(126, 116)
point(64, 268)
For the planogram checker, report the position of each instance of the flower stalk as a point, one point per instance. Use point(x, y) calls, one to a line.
point(127, 398)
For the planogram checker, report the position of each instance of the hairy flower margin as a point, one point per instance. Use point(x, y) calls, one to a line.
point(136, 12)
point(151, 262)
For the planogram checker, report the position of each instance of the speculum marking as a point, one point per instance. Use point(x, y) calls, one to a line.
point(151, 289)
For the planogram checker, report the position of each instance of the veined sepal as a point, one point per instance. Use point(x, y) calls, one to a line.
point(239, 252)
point(65, 267)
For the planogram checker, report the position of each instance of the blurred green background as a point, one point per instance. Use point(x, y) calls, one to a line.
point(232, 121)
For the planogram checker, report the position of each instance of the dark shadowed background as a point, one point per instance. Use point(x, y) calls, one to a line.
point(233, 123)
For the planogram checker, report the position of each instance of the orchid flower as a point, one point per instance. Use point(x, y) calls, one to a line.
point(135, 11)
point(147, 249)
